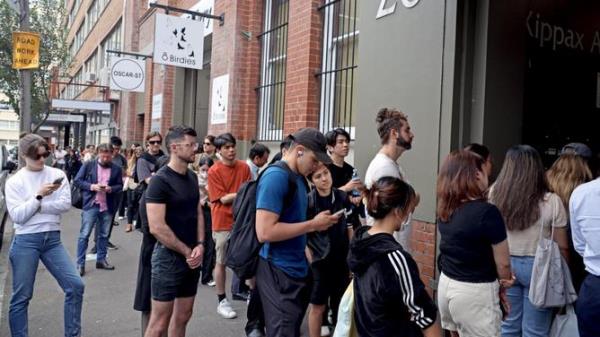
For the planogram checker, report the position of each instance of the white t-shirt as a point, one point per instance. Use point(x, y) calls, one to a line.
point(384, 166)
point(60, 156)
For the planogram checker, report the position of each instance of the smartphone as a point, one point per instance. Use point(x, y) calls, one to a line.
point(58, 181)
point(341, 212)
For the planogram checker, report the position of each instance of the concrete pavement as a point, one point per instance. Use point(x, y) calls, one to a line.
point(108, 299)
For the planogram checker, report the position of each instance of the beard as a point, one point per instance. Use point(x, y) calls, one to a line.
point(188, 160)
point(407, 145)
point(105, 165)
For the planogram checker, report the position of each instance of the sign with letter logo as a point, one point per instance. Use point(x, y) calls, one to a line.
point(178, 41)
point(26, 50)
point(127, 74)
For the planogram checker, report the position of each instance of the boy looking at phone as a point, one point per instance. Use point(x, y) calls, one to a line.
point(327, 250)
point(99, 181)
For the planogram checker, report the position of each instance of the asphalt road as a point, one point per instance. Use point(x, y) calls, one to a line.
point(108, 299)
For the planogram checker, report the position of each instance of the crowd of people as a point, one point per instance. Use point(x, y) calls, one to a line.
point(320, 229)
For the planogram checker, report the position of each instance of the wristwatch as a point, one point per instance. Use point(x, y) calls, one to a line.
point(39, 197)
point(200, 243)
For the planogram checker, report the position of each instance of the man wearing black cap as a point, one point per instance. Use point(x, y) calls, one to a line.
point(281, 223)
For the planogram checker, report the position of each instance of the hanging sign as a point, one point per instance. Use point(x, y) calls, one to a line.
point(178, 41)
point(206, 7)
point(127, 74)
point(26, 50)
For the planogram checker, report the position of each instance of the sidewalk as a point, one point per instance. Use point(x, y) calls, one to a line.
point(108, 299)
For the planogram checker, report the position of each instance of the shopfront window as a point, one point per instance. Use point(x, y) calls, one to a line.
point(271, 92)
point(339, 62)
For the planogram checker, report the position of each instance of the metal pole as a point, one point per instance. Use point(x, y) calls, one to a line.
point(25, 75)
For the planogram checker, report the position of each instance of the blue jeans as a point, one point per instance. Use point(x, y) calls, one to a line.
point(25, 252)
point(89, 218)
point(524, 319)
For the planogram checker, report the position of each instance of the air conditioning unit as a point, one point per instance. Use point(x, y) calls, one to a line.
point(90, 77)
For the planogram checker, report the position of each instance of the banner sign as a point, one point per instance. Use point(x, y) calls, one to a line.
point(178, 41)
point(127, 74)
point(157, 102)
point(26, 50)
point(219, 99)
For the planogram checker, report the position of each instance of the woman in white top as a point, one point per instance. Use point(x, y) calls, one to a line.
point(36, 196)
point(522, 196)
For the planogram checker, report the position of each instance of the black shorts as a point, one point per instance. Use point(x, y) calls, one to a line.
point(171, 276)
point(330, 280)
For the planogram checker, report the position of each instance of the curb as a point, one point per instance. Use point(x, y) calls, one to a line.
point(4, 266)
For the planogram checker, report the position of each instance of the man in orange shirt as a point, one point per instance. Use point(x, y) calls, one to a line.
point(224, 179)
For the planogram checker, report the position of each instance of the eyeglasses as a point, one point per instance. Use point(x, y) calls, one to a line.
point(193, 145)
point(155, 142)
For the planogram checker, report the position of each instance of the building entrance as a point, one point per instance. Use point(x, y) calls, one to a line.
point(562, 77)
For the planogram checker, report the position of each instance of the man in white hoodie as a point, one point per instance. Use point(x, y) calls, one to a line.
point(36, 196)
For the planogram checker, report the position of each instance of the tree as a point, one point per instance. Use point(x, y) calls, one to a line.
point(47, 17)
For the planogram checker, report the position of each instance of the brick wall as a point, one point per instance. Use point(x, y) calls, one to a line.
point(423, 250)
point(236, 51)
point(303, 61)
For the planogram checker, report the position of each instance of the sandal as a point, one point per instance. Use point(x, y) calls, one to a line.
point(129, 228)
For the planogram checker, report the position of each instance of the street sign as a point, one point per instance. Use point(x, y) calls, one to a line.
point(26, 50)
point(65, 118)
point(127, 74)
point(178, 41)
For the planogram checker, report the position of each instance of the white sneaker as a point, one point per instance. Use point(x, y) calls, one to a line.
point(121, 217)
point(224, 309)
point(325, 331)
point(211, 283)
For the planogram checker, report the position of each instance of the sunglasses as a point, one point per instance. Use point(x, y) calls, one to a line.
point(37, 156)
point(155, 142)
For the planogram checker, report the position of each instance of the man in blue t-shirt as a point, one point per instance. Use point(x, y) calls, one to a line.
point(282, 273)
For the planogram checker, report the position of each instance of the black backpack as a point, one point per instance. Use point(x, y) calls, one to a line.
point(243, 247)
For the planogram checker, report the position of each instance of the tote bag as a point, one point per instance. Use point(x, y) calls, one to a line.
point(565, 325)
point(551, 285)
point(345, 326)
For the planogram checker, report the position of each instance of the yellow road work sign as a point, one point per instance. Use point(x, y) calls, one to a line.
point(26, 50)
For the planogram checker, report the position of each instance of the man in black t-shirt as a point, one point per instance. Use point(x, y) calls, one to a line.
point(343, 174)
point(175, 219)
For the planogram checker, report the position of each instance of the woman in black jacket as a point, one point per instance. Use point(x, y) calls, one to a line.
point(389, 296)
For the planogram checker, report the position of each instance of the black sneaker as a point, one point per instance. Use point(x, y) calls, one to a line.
point(93, 250)
point(109, 245)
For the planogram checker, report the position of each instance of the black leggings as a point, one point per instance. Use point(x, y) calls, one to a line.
point(133, 200)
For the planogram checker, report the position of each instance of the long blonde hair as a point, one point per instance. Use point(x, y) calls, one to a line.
point(132, 161)
point(568, 172)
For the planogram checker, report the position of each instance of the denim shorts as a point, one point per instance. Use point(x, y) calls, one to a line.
point(171, 276)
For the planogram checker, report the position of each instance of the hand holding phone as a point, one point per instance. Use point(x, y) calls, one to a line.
point(58, 181)
point(340, 213)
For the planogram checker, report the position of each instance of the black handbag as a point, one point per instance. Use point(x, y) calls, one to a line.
point(76, 194)
point(76, 197)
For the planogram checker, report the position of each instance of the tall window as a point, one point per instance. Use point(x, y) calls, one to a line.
point(271, 92)
point(339, 62)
